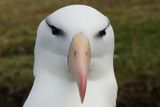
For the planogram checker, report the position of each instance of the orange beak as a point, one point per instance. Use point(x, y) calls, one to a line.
point(78, 62)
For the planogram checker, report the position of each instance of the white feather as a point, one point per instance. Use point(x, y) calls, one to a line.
point(54, 86)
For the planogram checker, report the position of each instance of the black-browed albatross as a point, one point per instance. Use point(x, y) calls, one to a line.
point(73, 65)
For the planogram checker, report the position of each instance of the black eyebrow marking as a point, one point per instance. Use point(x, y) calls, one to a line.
point(51, 26)
point(48, 23)
point(55, 31)
point(107, 25)
point(103, 31)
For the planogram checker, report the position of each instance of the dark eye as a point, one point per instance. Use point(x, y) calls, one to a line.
point(55, 31)
point(102, 33)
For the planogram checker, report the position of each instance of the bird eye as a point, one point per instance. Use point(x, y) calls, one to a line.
point(55, 31)
point(102, 33)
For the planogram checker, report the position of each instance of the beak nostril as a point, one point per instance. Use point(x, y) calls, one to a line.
point(75, 53)
point(86, 53)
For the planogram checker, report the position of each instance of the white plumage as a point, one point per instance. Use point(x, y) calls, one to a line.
point(54, 84)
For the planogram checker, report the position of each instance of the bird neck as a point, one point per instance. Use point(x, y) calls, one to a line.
point(55, 86)
point(49, 91)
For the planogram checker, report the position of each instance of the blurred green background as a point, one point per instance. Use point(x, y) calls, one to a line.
point(136, 24)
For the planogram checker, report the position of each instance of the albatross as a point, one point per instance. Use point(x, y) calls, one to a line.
point(73, 63)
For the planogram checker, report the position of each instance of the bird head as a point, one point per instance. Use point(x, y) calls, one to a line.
point(79, 33)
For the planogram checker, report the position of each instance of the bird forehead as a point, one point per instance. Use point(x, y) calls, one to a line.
point(78, 15)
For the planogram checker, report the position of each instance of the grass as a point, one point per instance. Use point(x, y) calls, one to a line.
point(135, 22)
point(15, 72)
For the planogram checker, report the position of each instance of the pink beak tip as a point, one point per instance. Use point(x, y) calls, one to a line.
point(82, 87)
